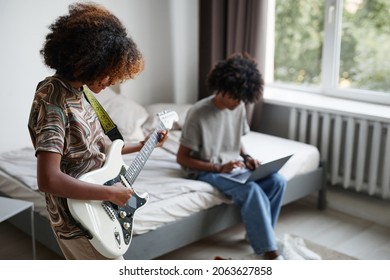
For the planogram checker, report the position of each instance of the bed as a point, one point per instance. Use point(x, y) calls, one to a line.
point(180, 211)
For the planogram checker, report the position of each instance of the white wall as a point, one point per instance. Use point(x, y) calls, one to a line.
point(164, 30)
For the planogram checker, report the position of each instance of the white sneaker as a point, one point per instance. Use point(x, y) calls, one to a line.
point(299, 246)
point(287, 251)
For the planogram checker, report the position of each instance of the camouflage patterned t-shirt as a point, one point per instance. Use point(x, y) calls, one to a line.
point(62, 121)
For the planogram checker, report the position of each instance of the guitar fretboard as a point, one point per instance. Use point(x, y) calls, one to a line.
point(143, 155)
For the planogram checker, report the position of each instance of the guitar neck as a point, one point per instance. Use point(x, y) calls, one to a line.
point(143, 155)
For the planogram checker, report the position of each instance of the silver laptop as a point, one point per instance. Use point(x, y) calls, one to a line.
point(263, 170)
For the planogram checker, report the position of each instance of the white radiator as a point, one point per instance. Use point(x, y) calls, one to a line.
point(357, 151)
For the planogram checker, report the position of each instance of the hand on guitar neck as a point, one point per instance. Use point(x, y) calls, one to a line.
point(162, 138)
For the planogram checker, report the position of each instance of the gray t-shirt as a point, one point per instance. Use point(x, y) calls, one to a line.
point(212, 134)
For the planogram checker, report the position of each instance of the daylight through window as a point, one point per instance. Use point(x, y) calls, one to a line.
point(333, 47)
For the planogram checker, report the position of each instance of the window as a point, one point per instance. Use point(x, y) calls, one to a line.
point(333, 47)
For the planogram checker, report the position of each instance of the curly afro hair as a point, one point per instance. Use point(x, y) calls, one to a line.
point(238, 77)
point(89, 44)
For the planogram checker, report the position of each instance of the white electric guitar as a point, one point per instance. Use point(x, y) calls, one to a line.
point(111, 226)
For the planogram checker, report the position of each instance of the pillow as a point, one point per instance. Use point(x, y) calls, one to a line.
point(154, 109)
point(173, 142)
point(128, 115)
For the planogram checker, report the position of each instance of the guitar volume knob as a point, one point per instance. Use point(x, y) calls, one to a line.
point(122, 214)
point(126, 225)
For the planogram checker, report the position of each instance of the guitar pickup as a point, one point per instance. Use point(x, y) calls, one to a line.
point(108, 209)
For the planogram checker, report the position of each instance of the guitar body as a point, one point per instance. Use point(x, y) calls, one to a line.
point(110, 226)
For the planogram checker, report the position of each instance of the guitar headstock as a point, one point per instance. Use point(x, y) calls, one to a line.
point(168, 118)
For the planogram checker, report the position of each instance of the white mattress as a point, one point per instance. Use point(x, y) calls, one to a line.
point(305, 159)
point(171, 196)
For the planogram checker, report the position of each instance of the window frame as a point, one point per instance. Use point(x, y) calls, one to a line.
point(333, 10)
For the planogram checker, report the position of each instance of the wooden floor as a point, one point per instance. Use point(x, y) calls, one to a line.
point(347, 234)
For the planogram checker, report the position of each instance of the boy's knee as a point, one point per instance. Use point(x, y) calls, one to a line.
point(279, 180)
point(251, 188)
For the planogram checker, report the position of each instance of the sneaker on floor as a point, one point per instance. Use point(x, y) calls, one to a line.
point(287, 251)
point(299, 246)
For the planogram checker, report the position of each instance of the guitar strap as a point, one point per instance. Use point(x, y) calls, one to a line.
point(109, 127)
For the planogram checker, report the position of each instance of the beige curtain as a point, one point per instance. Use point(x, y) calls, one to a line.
point(226, 27)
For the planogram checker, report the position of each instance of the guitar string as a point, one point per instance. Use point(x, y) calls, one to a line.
point(136, 166)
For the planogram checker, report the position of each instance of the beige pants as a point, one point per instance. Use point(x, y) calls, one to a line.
point(80, 249)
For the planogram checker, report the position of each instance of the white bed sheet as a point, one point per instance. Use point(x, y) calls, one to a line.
point(265, 148)
point(171, 196)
